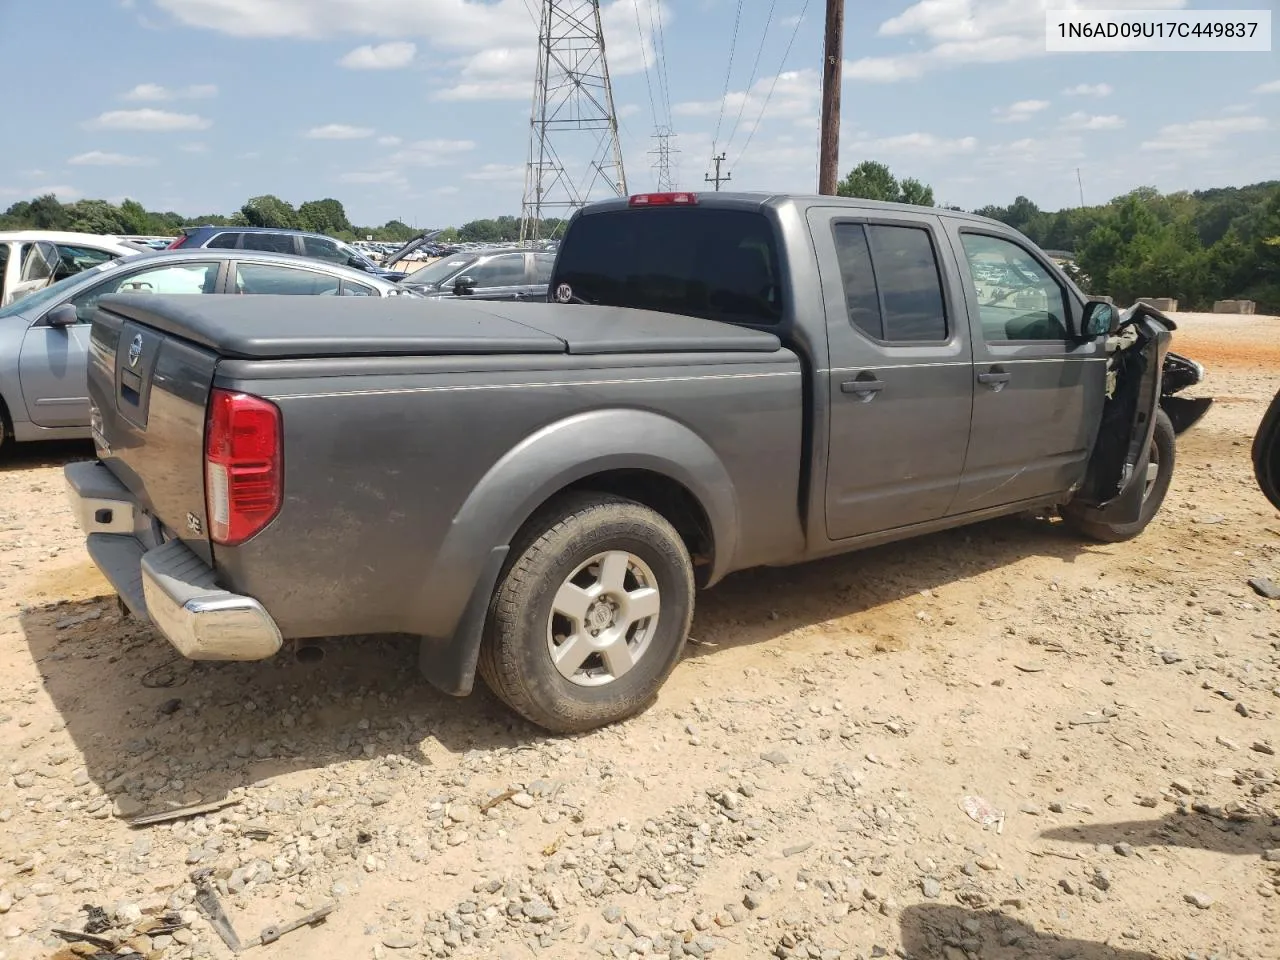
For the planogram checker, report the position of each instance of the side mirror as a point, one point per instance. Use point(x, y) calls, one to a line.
point(63, 315)
point(1100, 319)
point(463, 286)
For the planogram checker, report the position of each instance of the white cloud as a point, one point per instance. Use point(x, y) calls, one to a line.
point(153, 91)
point(430, 153)
point(1083, 121)
point(499, 173)
point(795, 96)
point(1199, 136)
point(1272, 86)
point(911, 144)
point(391, 177)
point(149, 119)
point(1019, 112)
point(499, 73)
point(956, 32)
point(1089, 90)
point(97, 158)
point(339, 131)
point(195, 147)
point(60, 190)
point(385, 56)
point(389, 141)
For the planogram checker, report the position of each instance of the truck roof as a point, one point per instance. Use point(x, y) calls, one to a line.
point(744, 199)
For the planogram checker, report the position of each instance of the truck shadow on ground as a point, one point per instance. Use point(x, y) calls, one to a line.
point(937, 932)
point(1243, 837)
point(46, 453)
point(759, 605)
point(160, 729)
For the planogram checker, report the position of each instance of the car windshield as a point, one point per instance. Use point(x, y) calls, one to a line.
point(351, 251)
point(440, 270)
point(41, 298)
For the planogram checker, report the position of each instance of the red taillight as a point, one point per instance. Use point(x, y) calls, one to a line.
point(242, 465)
point(182, 238)
point(664, 199)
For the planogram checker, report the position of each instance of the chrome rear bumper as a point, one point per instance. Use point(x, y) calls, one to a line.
point(168, 584)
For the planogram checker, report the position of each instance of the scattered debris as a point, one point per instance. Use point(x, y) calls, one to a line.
point(983, 812)
point(181, 813)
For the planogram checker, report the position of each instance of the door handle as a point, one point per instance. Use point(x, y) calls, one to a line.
point(862, 386)
point(996, 378)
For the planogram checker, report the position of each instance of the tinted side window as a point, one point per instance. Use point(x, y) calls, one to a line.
point(271, 242)
point(172, 278)
point(698, 261)
point(909, 282)
point(323, 249)
point(270, 278)
point(505, 271)
point(543, 263)
point(860, 295)
point(353, 289)
point(1018, 299)
point(225, 241)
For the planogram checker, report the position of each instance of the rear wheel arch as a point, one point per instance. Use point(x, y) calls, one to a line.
point(6, 425)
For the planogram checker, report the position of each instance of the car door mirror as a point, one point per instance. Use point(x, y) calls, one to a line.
point(1100, 319)
point(63, 315)
point(464, 286)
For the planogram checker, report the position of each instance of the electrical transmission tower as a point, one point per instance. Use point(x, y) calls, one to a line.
point(663, 163)
point(574, 154)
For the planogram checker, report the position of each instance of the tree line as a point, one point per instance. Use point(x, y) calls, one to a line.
point(326, 216)
point(1198, 247)
point(1195, 246)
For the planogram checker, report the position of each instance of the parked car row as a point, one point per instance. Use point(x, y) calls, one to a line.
point(44, 337)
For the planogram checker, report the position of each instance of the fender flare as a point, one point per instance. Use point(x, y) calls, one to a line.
point(550, 460)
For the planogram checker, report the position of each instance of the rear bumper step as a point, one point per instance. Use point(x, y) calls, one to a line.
point(168, 585)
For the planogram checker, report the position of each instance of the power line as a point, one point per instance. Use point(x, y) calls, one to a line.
point(746, 91)
point(765, 106)
point(733, 45)
point(656, 5)
point(644, 60)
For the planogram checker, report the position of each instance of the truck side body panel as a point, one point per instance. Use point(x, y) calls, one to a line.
point(380, 533)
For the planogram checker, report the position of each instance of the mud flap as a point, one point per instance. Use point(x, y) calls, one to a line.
point(450, 666)
point(1114, 483)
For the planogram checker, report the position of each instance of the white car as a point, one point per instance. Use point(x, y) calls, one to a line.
point(32, 259)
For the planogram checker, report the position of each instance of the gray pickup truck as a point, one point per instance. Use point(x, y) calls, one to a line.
point(536, 490)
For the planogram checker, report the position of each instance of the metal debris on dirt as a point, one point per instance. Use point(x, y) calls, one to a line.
point(181, 813)
point(208, 902)
point(983, 812)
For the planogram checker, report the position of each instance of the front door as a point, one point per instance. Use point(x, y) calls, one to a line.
point(504, 277)
point(52, 367)
point(37, 263)
point(1038, 393)
point(900, 379)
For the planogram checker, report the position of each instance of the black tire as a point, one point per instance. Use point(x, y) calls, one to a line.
point(515, 655)
point(6, 430)
point(1164, 445)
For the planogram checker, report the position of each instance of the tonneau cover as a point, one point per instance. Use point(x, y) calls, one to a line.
point(284, 327)
point(261, 327)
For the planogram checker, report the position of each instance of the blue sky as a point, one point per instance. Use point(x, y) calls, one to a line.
point(418, 109)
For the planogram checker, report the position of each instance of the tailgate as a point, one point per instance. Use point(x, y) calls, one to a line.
point(148, 392)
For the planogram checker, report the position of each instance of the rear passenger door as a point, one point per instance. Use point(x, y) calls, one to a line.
point(900, 379)
point(503, 277)
point(1037, 393)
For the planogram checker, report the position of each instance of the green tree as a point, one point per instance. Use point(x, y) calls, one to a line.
point(270, 211)
point(869, 180)
point(324, 216)
point(95, 216)
point(912, 190)
point(46, 213)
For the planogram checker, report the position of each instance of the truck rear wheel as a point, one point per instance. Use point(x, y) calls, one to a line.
point(1160, 460)
point(590, 615)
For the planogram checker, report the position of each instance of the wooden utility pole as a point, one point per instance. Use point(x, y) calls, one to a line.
point(717, 179)
point(832, 63)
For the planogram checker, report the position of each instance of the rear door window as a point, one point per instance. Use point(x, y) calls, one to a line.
point(225, 241)
point(270, 242)
point(504, 271)
point(322, 248)
point(289, 281)
point(909, 283)
point(543, 264)
point(721, 264)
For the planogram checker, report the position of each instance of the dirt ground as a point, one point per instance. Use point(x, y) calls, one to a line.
point(799, 789)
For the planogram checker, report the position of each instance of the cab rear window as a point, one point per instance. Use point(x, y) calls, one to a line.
point(719, 264)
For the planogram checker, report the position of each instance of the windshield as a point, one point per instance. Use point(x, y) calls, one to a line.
point(33, 303)
point(351, 251)
point(716, 263)
point(442, 269)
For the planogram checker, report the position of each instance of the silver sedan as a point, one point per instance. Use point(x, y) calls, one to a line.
point(44, 337)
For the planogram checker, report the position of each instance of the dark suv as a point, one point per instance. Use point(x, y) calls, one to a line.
point(316, 246)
